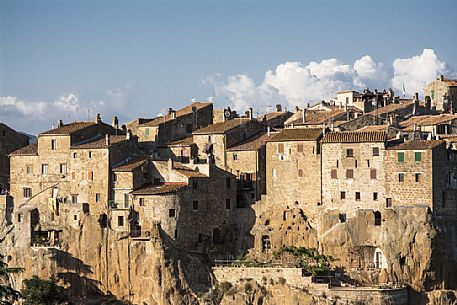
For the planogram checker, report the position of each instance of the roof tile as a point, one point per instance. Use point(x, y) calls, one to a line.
point(297, 134)
point(354, 137)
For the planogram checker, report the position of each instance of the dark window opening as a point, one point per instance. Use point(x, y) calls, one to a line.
point(375, 196)
point(417, 177)
point(377, 218)
point(195, 205)
point(217, 236)
point(388, 202)
point(342, 195)
point(342, 217)
point(349, 174)
point(375, 151)
point(349, 153)
point(171, 213)
point(401, 177)
point(357, 196)
point(227, 204)
point(334, 174)
point(227, 182)
point(266, 245)
point(120, 221)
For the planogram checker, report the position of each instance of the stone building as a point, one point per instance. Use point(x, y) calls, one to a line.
point(442, 124)
point(353, 171)
point(10, 140)
point(212, 141)
point(182, 150)
point(194, 204)
point(441, 94)
point(365, 101)
point(247, 161)
point(421, 173)
point(175, 125)
point(321, 116)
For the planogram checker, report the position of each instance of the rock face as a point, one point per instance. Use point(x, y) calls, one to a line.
point(93, 261)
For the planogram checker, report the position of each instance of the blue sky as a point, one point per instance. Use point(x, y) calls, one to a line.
point(135, 58)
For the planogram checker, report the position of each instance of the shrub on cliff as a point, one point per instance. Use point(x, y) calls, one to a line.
point(38, 291)
point(8, 295)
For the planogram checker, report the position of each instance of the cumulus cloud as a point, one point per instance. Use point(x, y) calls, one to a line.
point(13, 105)
point(417, 71)
point(297, 84)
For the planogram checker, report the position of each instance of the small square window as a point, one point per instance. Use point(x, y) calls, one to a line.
point(63, 168)
point(171, 213)
point(29, 169)
point(373, 173)
point(141, 202)
point(401, 177)
point(388, 202)
point(280, 148)
point(417, 177)
point(97, 197)
point(375, 196)
point(334, 174)
point(417, 156)
point(20, 217)
point(195, 205)
point(375, 151)
point(357, 196)
point(44, 169)
point(300, 148)
point(342, 195)
point(120, 221)
point(235, 157)
point(75, 217)
point(349, 174)
point(349, 153)
point(74, 198)
point(401, 157)
point(300, 173)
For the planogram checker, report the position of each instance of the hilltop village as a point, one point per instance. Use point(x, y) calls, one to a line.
point(155, 211)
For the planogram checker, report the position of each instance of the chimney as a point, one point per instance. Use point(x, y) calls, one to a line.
point(59, 123)
point(128, 134)
point(173, 114)
point(268, 130)
point(98, 118)
point(441, 77)
point(278, 108)
point(107, 140)
point(250, 114)
point(416, 96)
point(170, 165)
point(170, 110)
point(115, 122)
point(304, 116)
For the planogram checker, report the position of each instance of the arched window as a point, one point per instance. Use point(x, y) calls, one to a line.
point(216, 236)
point(377, 218)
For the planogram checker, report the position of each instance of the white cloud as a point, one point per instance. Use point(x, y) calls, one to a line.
point(417, 71)
point(69, 103)
point(296, 83)
point(13, 105)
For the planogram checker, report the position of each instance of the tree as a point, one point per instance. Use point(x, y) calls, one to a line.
point(7, 293)
point(38, 291)
point(309, 259)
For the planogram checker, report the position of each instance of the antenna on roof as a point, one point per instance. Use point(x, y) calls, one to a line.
point(88, 114)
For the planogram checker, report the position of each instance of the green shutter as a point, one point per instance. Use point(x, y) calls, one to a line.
point(146, 132)
point(401, 157)
point(417, 156)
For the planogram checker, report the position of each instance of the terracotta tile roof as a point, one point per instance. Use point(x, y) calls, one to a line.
point(427, 120)
point(159, 189)
point(354, 137)
point(182, 169)
point(29, 150)
point(100, 143)
point(181, 112)
point(450, 82)
point(317, 117)
point(417, 145)
point(187, 141)
point(273, 115)
point(224, 127)
point(68, 129)
point(391, 108)
point(297, 134)
point(375, 128)
point(131, 164)
point(253, 143)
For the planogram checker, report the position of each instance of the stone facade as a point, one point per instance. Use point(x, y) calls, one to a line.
point(10, 140)
point(442, 93)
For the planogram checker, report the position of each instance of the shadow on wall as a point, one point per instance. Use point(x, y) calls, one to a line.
point(78, 282)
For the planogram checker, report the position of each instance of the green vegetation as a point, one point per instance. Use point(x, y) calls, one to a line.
point(309, 259)
point(43, 292)
point(8, 295)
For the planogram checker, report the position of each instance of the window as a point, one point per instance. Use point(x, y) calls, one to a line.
point(141, 202)
point(235, 157)
point(75, 155)
point(342, 195)
point(44, 169)
point(63, 168)
point(195, 205)
point(300, 173)
point(375, 196)
point(20, 217)
point(300, 148)
point(342, 217)
point(171, 213)
point(401, 177)
point(97, 197)
point(73, 175)
point(357, 196)
point(227, 204)
point(377, 218)
point(368, 163)
point(334, 174)
point(27, 192)
point(120, 221)
point(373, 173)
point(388, 202)
point(209, 139)
point(349, 153)
point(375, 151)
point(194, 184)
point(74, 198)
point(200, 238)
point(176, 234)
point(417, 156)
point(227, 182)
point(90, 175)
point(188, 128)
point(280, 148)
point(355, 163)
point(401, 157)
point(266, 245)
point(29, 169)
point(146, 132)
point(126, 200)
point(417, 177)
point(53, 144)
point(90, 154)
point(337, 163)
point(114, 177)
point(75, 217)
point(349, 174)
